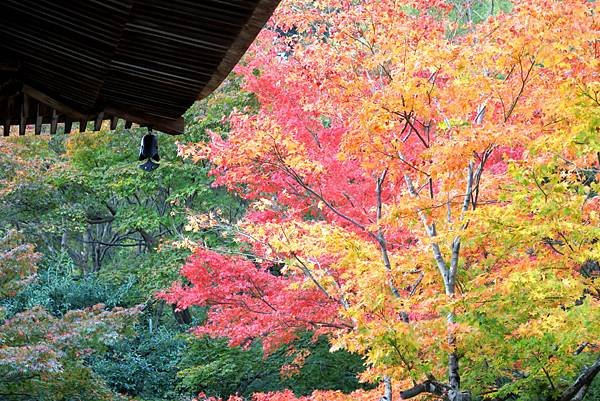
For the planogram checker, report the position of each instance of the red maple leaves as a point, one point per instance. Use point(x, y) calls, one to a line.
point(247, 301)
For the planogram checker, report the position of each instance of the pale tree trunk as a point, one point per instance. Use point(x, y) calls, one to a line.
point(448, 273)
point(455, 393)
point(387, 389)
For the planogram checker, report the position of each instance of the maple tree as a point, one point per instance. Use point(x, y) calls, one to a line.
point(424, 191)
point(55, 190)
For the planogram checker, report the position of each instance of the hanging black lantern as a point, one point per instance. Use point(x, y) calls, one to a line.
point(149, 152)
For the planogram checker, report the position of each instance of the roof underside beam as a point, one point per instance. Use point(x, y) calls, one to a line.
point(36, 109)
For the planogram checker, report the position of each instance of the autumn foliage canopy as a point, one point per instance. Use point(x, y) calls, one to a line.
point(423, 188)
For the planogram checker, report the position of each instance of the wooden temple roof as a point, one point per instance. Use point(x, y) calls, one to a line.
point(143, 61)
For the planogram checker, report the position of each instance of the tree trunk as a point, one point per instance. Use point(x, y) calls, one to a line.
point(149, 240)
point(182, 316)
point(387, 389)
point(455, 394)
point(577, 390)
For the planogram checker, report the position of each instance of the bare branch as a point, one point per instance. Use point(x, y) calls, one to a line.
point(302, 266)
point(429, 387)
point(380, 237)
point(457, 239)
point(524, 80)
point(430, 231)
point(582, 381)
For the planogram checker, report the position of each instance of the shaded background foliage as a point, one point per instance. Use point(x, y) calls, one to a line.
point(108, 233)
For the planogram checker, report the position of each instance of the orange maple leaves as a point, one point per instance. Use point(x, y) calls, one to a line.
point(400, 164)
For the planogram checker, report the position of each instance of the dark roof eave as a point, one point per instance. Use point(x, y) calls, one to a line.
point(264, 9)
point(136, 88)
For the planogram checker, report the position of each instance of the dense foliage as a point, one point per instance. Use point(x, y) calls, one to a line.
point(96, 238)
point(423, 188)
point(41, 353)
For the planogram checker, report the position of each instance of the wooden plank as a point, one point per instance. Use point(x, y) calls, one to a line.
point(173, 127)
point(82, 125)
point(98, 122)
point(260, 14)
point(38, 118)
point(61, 107)
point(54, 122)
point(9, 65)
point(11, 113)
point(113, 122)
point(68, 124)
point(23, 114)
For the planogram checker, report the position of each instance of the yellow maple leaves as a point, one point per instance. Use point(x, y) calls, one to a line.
point(436, 178)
